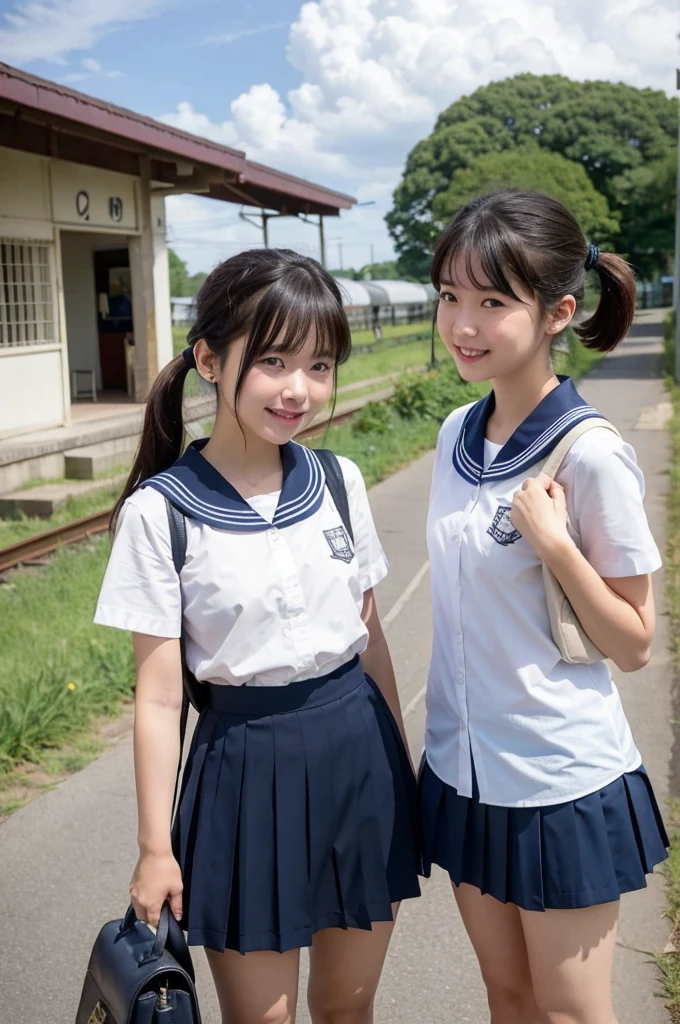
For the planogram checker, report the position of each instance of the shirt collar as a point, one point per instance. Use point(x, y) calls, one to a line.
point(198, 490)
point(534, 438)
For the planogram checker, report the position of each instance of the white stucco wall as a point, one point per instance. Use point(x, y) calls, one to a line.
point(31, 394)
point(76, 210)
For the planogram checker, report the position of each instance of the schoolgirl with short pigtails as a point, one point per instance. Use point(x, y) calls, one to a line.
point(533, 795)
point(254, 558)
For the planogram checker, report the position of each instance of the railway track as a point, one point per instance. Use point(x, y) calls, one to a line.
point(26, 551)
point(46, 543)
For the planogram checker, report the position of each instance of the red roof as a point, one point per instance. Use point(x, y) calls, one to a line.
point(41, 116)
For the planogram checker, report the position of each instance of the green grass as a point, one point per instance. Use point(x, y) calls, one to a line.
point(23, 527)
point(392, 360)
point(381, 453)
point(363, 337)
point(58, 670)
point(669, 963)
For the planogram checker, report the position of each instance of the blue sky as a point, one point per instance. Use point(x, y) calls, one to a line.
point(337, 91)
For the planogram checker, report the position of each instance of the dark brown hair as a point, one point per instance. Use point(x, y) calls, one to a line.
point(534, 239)
point(273, 298)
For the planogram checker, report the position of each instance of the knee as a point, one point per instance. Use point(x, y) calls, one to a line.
point(510, 1001)
point(355, 1009)
point(574, 1013)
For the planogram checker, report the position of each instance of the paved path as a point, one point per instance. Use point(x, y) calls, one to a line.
point(65, 860)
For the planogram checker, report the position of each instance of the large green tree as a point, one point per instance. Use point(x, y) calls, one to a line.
point(179, 276)
point(613, 130)
point(530, 167)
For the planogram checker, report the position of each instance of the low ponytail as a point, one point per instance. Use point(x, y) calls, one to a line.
point(162, 438)
point(614, 314)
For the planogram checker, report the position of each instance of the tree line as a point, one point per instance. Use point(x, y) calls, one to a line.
point(607, 150)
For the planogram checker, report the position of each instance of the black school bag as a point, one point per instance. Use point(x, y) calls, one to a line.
point(134, 977)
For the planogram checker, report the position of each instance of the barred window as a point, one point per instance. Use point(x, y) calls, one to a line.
point(26, 298)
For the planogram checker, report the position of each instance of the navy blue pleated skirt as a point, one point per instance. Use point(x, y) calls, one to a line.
point(298, 812)
point(563, 856)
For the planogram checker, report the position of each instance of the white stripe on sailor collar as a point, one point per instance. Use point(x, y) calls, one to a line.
point(537, 435)
point(198, 490)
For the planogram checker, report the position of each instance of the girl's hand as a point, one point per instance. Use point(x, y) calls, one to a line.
point(539, 512)
point(156, 878)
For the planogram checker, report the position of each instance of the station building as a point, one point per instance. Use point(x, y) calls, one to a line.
point(84, 291)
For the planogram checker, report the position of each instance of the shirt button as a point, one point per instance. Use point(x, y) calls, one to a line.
point(273, 534)
point(459, 677)
point(463, 725)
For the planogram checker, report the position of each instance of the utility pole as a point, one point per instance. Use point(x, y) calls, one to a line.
point(372, 259)
point(340, 255)
point(322, 242)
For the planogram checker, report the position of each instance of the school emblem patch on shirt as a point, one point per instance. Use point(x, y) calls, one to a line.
point(338, 541)
point(501, 529)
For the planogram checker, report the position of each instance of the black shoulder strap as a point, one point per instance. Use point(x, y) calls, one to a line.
point(335, 482)
point(178, 543)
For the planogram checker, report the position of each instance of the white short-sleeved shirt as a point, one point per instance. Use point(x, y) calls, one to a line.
point(539, 731)
point(272, 588)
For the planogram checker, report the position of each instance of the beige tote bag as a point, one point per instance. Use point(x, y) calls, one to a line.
point(574, 645)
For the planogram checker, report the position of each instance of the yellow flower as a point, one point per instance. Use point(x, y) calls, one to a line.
point(70, 686)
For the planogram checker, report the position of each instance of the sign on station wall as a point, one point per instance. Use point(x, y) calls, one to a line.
point(93, 198)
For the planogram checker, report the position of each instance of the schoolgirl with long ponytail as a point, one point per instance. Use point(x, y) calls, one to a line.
point(297, 820)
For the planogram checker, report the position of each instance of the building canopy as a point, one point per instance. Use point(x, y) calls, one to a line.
point(43, 117)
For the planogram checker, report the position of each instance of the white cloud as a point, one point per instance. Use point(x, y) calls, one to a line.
point(225, 38)
point(51, 29)
point(92, 69)
point(188, 119)
point(375, 74)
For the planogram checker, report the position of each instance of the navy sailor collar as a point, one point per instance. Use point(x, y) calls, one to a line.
point(534, 438)
point(198, 490)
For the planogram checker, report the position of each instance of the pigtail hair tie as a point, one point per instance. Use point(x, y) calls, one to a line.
point(592, 257)
point(189, 357)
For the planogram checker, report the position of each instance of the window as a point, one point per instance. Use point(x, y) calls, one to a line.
point(26, 298)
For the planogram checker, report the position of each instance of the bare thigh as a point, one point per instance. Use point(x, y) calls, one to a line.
point(344, 972)
point(495, 931)
point(571, 956)
point(258, 988)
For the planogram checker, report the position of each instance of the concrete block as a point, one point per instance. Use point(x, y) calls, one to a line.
point(43, 502)
point(90, 461)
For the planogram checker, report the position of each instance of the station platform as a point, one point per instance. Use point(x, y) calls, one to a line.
point(111, 426)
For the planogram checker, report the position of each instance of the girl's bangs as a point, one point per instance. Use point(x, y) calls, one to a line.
point(284, 318)
point(485, 249)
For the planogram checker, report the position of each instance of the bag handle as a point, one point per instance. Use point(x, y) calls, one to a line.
point(168, 936)
point(557, 456)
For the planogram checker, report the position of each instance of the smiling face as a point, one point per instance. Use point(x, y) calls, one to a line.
point(280, 394)
point(491, 334)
